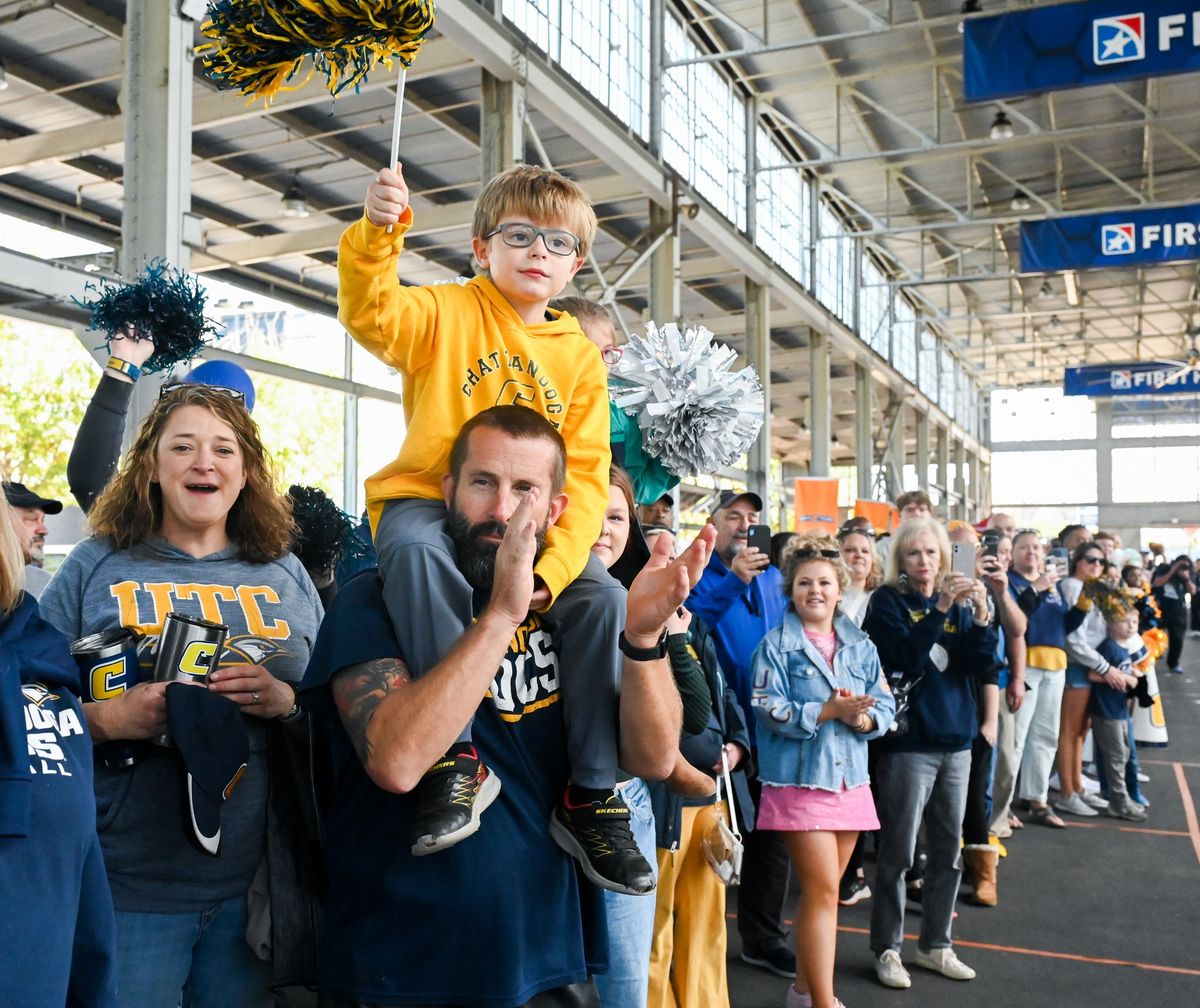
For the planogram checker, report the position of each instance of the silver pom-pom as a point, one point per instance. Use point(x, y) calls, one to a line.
point(695, 414)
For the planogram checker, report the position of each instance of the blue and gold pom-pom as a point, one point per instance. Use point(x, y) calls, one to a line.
point(325, 534)
point(258, 46)
point(164, 305)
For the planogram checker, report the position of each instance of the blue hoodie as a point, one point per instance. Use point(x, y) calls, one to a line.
point(57, 929)
point(739, 616)
point(949, 650)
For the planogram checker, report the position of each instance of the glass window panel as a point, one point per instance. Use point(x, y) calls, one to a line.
point(781, 214)
point(1033, 414)
point(309, 453)
point(381, 430)
point(927, 363)
point(904, 339)
point(1157, 416)
point(1045, 477)
point(1156, 474)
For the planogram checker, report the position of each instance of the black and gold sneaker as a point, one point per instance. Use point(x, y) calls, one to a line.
point(450, 799)
point(597, 834)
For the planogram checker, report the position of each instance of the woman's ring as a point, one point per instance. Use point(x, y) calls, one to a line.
point(253, 698)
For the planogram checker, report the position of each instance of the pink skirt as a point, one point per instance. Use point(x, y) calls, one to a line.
point(791, 808)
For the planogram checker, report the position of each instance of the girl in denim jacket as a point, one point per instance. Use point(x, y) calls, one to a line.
point(819, 695)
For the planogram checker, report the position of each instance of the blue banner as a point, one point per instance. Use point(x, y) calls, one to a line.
point(1075, 44)
point(1141, 378)
point(1110, 240)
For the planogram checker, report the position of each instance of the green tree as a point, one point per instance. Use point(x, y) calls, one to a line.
point(46, 381)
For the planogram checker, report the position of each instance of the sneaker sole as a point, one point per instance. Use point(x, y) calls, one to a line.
point(487, 794)
point(566, 840)
point(858, 897)
point(766, 964)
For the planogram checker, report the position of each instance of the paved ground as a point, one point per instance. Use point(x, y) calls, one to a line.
point(1102, 914)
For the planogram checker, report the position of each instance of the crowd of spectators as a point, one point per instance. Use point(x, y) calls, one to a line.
point(520, 761)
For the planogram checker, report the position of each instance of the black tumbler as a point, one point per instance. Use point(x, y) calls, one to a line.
point(108, 666)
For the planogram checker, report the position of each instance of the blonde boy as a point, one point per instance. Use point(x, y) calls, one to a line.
point(462, 349)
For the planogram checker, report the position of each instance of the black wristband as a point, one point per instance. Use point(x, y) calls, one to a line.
point(643, 654)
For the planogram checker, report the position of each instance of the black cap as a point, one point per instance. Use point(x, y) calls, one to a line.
point(20, 497)
point(211, 736)
point(729, 496)
point(666, 497)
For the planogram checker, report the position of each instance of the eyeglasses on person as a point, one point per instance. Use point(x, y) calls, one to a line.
point(517, 235)
point(611, 354)
point(237, 395)
point(1093, 559)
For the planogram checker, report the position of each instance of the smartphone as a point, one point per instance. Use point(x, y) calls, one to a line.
point(991, 546)
point(759, 536)
point(963, 560)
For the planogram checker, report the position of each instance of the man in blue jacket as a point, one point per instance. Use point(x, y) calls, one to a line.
point(740, 597)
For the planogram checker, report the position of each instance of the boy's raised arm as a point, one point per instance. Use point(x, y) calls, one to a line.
point(397, 324)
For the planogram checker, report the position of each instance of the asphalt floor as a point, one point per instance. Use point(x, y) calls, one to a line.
point(1104, 913)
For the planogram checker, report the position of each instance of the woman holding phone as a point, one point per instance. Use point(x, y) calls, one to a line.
point(931, 628)
point(1037, 719)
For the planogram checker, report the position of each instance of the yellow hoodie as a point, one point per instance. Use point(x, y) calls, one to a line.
point(462, 349)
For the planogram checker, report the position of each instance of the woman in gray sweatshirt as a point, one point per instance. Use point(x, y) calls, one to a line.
point(191, 524)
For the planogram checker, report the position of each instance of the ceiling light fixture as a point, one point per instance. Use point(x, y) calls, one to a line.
point(969, 7)
point(294, 204)
point(1071, 282)
point(1002, 127)
point(1020, 201)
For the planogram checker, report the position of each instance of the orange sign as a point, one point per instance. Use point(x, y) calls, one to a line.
point(883, 516)
point(816, 504)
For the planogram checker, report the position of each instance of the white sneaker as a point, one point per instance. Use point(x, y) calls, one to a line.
point(1145, 778)
point(1130, 810)
point(1074, 805)
point(1089, 785)
point(1052, 784)
point(890, 971)
point(944, 961)
point(1094, 801)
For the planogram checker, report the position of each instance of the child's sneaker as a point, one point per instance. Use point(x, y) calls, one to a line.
point(450, 799)
point(597, 834)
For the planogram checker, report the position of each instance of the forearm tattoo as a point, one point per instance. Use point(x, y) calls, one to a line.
point(359, 689)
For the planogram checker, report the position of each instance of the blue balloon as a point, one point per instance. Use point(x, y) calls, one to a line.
point(226, 374)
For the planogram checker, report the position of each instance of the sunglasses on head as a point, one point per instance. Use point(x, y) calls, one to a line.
point(846, 530)
point(237, 395)
point(808, 553)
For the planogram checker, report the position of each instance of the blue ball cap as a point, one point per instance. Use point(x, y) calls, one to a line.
point(226, 374)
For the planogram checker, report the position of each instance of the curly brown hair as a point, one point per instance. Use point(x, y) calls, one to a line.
point(130, 508)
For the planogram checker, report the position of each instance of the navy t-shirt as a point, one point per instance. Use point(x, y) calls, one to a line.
point(1106, 702)
point(487, 923)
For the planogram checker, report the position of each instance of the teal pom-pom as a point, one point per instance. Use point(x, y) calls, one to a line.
point(164, 305)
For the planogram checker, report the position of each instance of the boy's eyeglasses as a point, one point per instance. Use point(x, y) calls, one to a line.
point(559, 243)
point(611, 354)
point(237, 395)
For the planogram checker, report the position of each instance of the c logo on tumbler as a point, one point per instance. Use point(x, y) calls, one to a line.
point(197, 658)
point(110, 679)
